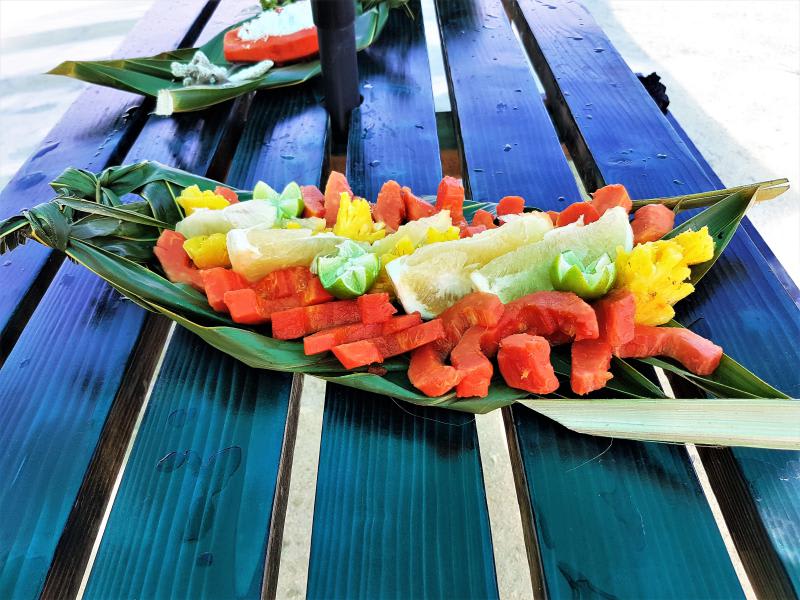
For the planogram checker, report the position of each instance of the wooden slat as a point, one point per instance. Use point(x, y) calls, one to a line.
point(758, 490)
point(204, 403)
point(400, 506)
point(78, 342)
point(192, 514)
point(500, 118)
point(96, 129)
point(740, 304)
point(607, 516)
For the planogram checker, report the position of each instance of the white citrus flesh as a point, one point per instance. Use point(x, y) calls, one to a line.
point(436, 276)
point(527, 269)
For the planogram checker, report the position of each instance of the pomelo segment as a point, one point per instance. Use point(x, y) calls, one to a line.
point(438, 275)
point(526, 269)
point(258, 251)
point(204, 221)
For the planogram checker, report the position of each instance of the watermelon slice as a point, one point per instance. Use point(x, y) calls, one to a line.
point(390, 208)
point(555, 315)
point(427, 370)
point(175, 261)
point(313, 201)
point(227, 193)
point(524, 362)
point(376, 350)
point(591, 360)
point(337, 183)
point(468, 358)
point(651, 223)
point(450, 196)
point(610, 196)
point(375, 308)
point(416, 208)
point(615, 317)
point(483, 217)
point(302, 321)
point(510, 205)
point(575, 211)
point(696, 353)
point(217, 282)
point(327, 339)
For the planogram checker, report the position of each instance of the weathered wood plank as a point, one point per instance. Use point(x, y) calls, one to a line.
point(626, 499)
point(283, 140)
point(740, 304)
point(400, 507)
point(81, 335)
point(192, 514)
point(491, 85)
point(97, 128)
point(758, 490)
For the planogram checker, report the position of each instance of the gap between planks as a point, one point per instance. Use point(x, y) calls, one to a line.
point(287, 569)
point(505, 518)
point(587, 177)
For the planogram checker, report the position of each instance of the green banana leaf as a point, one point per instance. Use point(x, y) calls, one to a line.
point(151, 76)
point(89, 221)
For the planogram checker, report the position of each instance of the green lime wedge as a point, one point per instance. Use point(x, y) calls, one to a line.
point(290, 202)
point(567, 274)
point(348, 271)
point(263, 192)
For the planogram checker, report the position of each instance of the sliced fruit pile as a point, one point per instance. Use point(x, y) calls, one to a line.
point(497, 291)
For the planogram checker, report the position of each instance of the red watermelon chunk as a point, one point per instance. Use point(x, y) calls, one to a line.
point(524, 362)
point(337, 183)
point(313, 200)
point(468, 358)
point(575, 211)
point(510, 205)
point(450, 196)
point(591, 360)
point(696, 353)
point(416, 208)
point(615, 316)
point(610, 196)
point(558, 316)
point(376, 350)
point(375, 308)
point(484, 218)
point(336, 336)
point(390, 208)
point(217, 282)
point(651, 223)
point(177, 265)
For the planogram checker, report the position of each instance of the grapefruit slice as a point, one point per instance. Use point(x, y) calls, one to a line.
point(526, 269)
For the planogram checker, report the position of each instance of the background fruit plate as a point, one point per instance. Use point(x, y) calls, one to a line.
point(109, 222)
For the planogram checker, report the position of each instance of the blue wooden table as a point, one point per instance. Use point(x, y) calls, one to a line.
point(140, 463)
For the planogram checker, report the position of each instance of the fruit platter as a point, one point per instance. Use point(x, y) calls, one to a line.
point(435, 300)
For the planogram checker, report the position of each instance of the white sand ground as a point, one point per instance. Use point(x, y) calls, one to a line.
point(732, 70)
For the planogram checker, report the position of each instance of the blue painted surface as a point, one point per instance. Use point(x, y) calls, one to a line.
point(400, 510)
point(740, 304)
point(609, 527)
point(195, 531)
point(502, 121)
point(92, 130)
point(192, 514)
point(400, 507)
point(772, 476)
point(81, 335)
